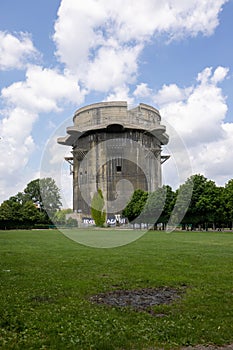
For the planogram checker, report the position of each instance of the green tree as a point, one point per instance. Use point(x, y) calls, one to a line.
point(20, 198)
point(10, 210)
point(97, 209)
point(220, 215)
point(72, 222)
point(46, 193)
point(30, 213)
point(32, 191)
point(228, 201)
point(7, 211)
point(40, 198)
point(168, 205)
point(60, 216)
point(154, 206)
point(136, 205)
point(204, 202)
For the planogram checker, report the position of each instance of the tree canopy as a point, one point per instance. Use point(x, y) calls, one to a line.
point(38, 203)
point(198, 202)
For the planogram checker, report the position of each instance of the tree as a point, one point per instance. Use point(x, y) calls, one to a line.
point(228, 197)
point(220, 215)
point(45, 193)
point(32, 191)
point(20, 198)
point(168, 205)
point(97, 211)
point(135, 206)
point(60, 216)
point(30, 213)
point(72, 222)
point(154, 206)
point(7, 211)
point(39, 199)
point(10, 210)
point(204, 202)
point(150, 208)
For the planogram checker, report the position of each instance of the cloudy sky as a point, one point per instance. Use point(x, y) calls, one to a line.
point(56, 56)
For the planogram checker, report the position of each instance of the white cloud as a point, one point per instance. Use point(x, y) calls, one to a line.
point(196, 112)
point(214, 159)
point(107, 37)
point(219, 75)
point(142, 90)
point(16, 146)
point(121, 94)
point(198, 117)
point(16, 51)
point(170, 94)
point(42, 90)
point(112, 67)
point(16, 125)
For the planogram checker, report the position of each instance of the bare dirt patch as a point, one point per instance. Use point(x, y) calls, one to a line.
point(139, 299)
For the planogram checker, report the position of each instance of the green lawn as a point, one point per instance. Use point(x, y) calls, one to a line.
point(46, 281)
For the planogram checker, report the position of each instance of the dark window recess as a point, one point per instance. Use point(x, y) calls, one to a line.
point(118, 168)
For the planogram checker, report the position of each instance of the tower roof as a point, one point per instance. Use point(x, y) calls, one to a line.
point(101, 115)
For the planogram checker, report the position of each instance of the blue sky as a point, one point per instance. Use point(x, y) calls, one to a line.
point(56, 56)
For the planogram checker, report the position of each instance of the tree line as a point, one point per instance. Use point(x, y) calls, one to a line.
point(209, 205)
point(206, 206)
point(36, 206)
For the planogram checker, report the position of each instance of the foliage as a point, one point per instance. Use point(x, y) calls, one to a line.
point(47, 281)
point(154, 205)
point(70, 222)
point(46, 193)
point(30, 213)
point(59, 217)
point(201, 200)
point(151, 208)
point(97, 208)
point(205, 201)
point(9, 210)
point(228, 200)
point(168, 204)
point(136, 204)
point(32, 206)
point(198, 203)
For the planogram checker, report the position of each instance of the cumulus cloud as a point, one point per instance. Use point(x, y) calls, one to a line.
point(16, 51)
point(112, 67)
point(43, 91)
point(142, 91)
point(107, 37)
point(16, 147)
point(171, 93)
point(121, 94)
point(197, 113)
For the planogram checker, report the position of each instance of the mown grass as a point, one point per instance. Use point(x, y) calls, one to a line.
point(46, 280)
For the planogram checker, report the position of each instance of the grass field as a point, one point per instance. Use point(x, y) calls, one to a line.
point(46, 281)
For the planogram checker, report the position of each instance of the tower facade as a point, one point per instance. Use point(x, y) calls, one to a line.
point(115, 149)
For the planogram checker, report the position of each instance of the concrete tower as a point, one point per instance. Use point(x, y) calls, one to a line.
point(115, 149)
